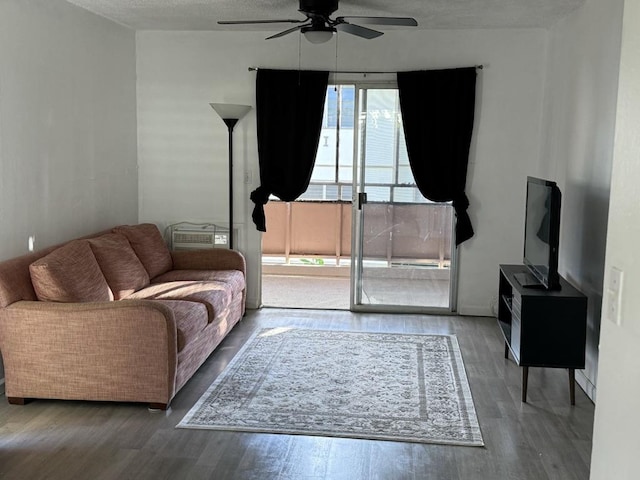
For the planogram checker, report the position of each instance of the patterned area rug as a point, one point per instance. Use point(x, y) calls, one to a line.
point(409, 388)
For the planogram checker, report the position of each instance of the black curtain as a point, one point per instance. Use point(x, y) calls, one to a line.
point(437, 113)
point(289, 109)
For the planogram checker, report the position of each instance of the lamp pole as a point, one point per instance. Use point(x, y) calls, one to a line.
point(230, 123)
point(230, 114)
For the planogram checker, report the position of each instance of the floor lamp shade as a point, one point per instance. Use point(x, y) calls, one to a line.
point(230, 114)
point(230, 111)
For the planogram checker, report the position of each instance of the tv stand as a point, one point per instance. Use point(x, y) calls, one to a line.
point(541, 328)
point(526, 280)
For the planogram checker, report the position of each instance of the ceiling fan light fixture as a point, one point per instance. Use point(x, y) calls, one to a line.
point(318, 35)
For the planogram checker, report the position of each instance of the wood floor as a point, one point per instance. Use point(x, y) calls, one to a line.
point(543, 439)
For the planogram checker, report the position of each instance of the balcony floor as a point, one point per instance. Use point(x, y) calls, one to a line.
point(296, 291)
point(332, 292)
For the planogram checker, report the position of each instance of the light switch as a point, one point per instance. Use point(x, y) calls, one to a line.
point(614, 295)
point(615, 279)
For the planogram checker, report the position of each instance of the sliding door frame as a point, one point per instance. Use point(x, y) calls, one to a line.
point(384, 81)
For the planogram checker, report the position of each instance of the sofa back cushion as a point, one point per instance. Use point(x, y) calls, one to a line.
point(70, 274)
point(149, 246)
point(119, 264)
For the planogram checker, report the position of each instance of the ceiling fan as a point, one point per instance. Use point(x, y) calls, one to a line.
point(319, 27)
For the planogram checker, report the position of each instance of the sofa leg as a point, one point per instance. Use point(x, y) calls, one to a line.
point(17, 400)
point(158, 406)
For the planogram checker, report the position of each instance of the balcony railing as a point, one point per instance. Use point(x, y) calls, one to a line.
point(395, 233)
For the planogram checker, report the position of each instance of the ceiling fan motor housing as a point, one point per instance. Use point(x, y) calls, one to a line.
point(318, 7)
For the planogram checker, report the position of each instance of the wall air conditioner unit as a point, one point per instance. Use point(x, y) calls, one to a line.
point(193, 237)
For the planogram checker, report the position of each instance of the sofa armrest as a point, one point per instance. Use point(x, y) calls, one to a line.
point(120, 351)
point(209, 259)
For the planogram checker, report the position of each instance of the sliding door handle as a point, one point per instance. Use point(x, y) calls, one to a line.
point(362, 199)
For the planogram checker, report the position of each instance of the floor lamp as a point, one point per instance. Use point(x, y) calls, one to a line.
point(230, 115)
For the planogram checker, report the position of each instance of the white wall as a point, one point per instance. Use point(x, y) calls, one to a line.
point(617, 419)
point(182, 143)
point(67, 124)
point(584, 53)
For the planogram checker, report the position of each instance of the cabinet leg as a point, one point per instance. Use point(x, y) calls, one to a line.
point(506, 350)
point(525, 381)
point(572, 386)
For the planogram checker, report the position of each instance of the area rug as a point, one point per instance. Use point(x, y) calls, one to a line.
point(399, 387)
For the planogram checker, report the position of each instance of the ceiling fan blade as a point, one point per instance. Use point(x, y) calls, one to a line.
point(358, 30)
point(286, 32)
point(252, 22)
point(401, 21)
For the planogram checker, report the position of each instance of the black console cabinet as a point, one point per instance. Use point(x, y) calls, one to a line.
point(542, 328)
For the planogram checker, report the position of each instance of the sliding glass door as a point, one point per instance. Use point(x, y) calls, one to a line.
point(361, 236)
point(402, 255)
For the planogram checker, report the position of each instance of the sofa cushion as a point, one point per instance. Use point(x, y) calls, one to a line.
point(149, 246)
point(119, 264)
point(233, 278)
point(216, 296)
point(191, 319)
point(70, 274)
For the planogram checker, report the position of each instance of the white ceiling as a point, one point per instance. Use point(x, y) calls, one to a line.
point(440, 14)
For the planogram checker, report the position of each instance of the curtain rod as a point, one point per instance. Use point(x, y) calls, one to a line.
point(255, 69)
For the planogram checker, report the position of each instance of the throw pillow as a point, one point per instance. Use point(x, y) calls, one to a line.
point(69, 274)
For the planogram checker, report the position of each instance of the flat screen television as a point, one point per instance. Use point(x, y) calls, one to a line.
point(542, 232)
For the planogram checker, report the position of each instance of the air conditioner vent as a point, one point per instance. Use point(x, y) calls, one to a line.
point(191, 237)
point(202, 238)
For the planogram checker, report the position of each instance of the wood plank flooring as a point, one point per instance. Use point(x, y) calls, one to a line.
point(545, 438)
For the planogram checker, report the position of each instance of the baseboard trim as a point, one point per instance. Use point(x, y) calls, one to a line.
point(475, 311)
point(586, 385)
point(252, 303)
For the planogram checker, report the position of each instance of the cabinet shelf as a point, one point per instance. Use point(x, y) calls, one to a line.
point(508, 301)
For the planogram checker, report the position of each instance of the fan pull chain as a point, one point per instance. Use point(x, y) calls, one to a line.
point(336, 86)
point(299, 56)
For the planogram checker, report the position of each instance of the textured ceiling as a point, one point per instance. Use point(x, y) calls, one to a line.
point(203, 14)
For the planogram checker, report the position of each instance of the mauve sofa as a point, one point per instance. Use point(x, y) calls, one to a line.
point(115, 316)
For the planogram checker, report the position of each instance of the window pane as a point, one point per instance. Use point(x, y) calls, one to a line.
point(381, 128)
point(339, 101)
point(405, 175)
point(331, 108)
point(408, 195)
point(347, 193)
point(314, 192)
point(385, 147)
point(345, 174)
point(323, 174)
point(403, 157)
point(379, 175)
point(378, 194)
point(348, 94)
point(331, 192)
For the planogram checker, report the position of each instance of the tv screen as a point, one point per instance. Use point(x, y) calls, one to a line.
point(542, 231)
